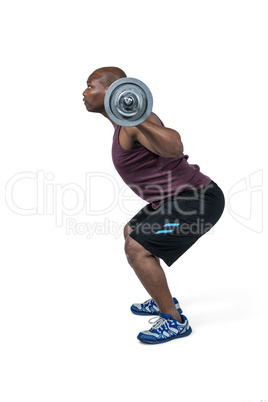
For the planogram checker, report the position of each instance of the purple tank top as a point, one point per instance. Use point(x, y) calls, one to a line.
point(153, 177)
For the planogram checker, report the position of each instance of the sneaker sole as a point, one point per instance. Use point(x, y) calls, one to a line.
point(145, 313)
point(166, 340)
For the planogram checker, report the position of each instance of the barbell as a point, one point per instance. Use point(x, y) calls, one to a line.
point(128, 102)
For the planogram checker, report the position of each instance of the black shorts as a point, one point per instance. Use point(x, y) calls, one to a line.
point(179, 222)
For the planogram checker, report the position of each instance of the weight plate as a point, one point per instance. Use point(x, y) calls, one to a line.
point(128, 102)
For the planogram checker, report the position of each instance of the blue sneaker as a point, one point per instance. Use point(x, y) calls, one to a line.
point(149, 307)
point(165, 329)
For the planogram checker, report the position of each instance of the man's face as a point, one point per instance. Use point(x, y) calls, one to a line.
point(94, 94)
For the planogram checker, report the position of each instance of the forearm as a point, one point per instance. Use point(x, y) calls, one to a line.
point(166, 141)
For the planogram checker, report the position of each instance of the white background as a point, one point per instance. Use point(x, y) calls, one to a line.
point(67, 333)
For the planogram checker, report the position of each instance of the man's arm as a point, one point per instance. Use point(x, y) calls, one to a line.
point(161, 140)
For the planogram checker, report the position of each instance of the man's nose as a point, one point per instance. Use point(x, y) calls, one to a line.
point(84, 93)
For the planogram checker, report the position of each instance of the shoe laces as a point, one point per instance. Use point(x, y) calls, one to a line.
point(158, 323)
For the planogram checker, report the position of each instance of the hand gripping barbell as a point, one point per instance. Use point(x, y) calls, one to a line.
point(128, 102)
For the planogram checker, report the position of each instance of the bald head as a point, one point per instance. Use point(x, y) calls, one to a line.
point(108, 75)
point(97, 84)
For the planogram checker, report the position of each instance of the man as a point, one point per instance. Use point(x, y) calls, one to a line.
point(183, 204)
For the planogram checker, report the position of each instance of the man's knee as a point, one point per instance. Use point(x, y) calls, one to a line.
point(135, 250)
point(130, 247)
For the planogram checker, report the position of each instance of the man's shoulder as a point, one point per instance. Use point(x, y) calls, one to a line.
point(128, 136)
point(132, 132)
